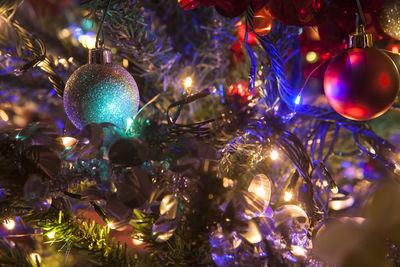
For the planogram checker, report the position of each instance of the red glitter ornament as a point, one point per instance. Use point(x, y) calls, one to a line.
point(227, 8)
point(293, 12)
point(259, 4)
point(192, 4)
point(361, 84)
point(231, 8)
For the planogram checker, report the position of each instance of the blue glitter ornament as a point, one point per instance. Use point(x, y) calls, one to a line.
point(100, 91)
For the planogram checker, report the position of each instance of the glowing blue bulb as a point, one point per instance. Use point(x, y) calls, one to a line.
point(297, 101)
point(77, 31)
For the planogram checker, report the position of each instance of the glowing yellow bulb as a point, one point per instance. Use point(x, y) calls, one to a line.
point(40, 64)
point(125, 63)
point(62, 61)
point(68, 141)
point(51, 234)
point(9, 224)
point(397, 169)
point(395, 49)
point(3, 115)
point(334, 189)
point(312, 57)
point(288, 196)
point(137, 242)
point(274, 155)
point(188, 82)
point(88, 41)
point(226, 182)
point(138, 239)
point(64, 33)
point(341, 204)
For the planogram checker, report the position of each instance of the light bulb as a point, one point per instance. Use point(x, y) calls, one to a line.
point(188, 82)
point(51, 234)
point(9, 224)
point(68, 141)
point(110, 225)
point(35, 257)
point(297, 100)
point(312, 57)
point(288, 196)
point(274, 155)
point(129, 122)
point(298, 251)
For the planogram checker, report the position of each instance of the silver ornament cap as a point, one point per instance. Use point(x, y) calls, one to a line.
point(100, 56)
point(361, 39)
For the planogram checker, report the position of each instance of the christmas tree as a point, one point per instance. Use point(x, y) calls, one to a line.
point(199, 133)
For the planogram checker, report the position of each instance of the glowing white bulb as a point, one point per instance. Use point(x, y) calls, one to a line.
point(35, 257)
point(129, 122)
point(274, 155)
point(288, 196)
point(298, 251)
point(9, 224)
point(68, 141)
point(188, 82)
point(51, 234)
point(110, 225)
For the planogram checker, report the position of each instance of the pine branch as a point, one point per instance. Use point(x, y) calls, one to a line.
point(13, 255)
point(76, 232)
point(33, 45)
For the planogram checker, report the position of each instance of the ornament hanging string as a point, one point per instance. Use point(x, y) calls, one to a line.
point(361, 13)
point(100, 30)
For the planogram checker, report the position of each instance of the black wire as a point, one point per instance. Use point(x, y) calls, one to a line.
point(100, 31)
